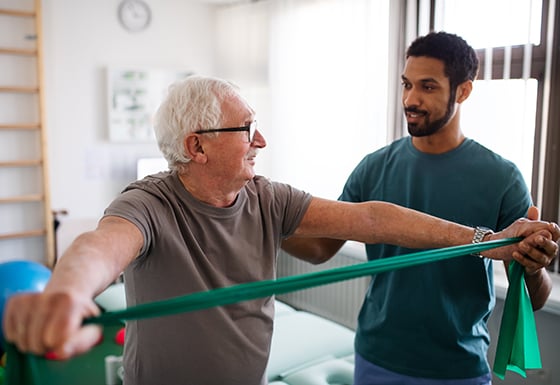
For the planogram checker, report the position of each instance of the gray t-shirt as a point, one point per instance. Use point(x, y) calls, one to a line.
point(189, 247)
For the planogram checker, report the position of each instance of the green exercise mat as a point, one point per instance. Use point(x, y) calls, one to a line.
point(26, 369)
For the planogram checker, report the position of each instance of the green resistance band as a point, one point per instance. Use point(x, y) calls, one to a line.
point(517, 349)
point(259, 289)
point(511, 353)
point(518, 343)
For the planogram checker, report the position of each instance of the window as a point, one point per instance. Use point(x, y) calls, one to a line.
point(502, 111)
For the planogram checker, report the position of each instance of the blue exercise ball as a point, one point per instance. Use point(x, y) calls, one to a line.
point(20, 277)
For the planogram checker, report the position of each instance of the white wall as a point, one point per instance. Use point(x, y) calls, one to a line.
point(81, 39)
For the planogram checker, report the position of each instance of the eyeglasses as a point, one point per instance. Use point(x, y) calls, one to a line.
point(250, 129)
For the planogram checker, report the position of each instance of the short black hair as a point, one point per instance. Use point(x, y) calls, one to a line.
point(459, 58)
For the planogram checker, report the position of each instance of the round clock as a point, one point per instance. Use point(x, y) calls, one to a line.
point(134, 15)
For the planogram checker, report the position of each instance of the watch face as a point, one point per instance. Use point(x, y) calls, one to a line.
point(134, 15)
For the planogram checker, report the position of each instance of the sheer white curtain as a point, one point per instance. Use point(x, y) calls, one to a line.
point(322, 98)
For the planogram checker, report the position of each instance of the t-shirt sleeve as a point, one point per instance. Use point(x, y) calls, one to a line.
point(290, 204)
point(516, 200)
point(352, 190)
point(135, 206)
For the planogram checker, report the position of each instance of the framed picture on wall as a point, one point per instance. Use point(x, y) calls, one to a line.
point(133, 97)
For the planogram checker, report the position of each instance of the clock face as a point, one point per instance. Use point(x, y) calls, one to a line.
point(134, 15)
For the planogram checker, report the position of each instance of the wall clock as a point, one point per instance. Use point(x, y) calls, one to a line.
point(134, 15)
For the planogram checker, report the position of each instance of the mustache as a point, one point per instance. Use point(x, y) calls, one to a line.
point(414, 110)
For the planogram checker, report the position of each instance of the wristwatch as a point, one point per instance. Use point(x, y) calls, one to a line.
point(479, 233)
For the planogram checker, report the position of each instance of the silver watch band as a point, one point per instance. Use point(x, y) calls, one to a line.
point(479, 234)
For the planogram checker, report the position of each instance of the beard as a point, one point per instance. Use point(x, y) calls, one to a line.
point(428, 127)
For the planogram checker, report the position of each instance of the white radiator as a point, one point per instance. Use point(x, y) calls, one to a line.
point(339, 302)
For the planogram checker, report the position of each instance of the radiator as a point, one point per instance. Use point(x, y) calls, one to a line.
point(339, 302)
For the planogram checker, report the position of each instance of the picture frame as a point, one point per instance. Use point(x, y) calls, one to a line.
point(134, 94)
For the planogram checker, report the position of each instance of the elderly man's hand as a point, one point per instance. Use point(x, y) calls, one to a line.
point(50, 324)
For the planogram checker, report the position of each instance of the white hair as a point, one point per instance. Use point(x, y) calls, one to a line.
point(192, 104)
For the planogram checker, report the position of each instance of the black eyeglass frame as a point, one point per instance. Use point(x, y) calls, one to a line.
point(251, 128)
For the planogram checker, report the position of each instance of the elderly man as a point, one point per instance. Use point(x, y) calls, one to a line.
point(209, 222)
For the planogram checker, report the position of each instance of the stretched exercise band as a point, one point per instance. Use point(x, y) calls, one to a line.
point(517, 343)
point(253, 290)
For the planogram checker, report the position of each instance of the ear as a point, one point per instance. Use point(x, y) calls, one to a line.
point(463, 91)
point(194, 149)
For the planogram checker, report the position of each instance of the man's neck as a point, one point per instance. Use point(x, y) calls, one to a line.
point(208, 193)
point(438, 144)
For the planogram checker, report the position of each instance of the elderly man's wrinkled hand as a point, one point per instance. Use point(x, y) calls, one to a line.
point(50, 324)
